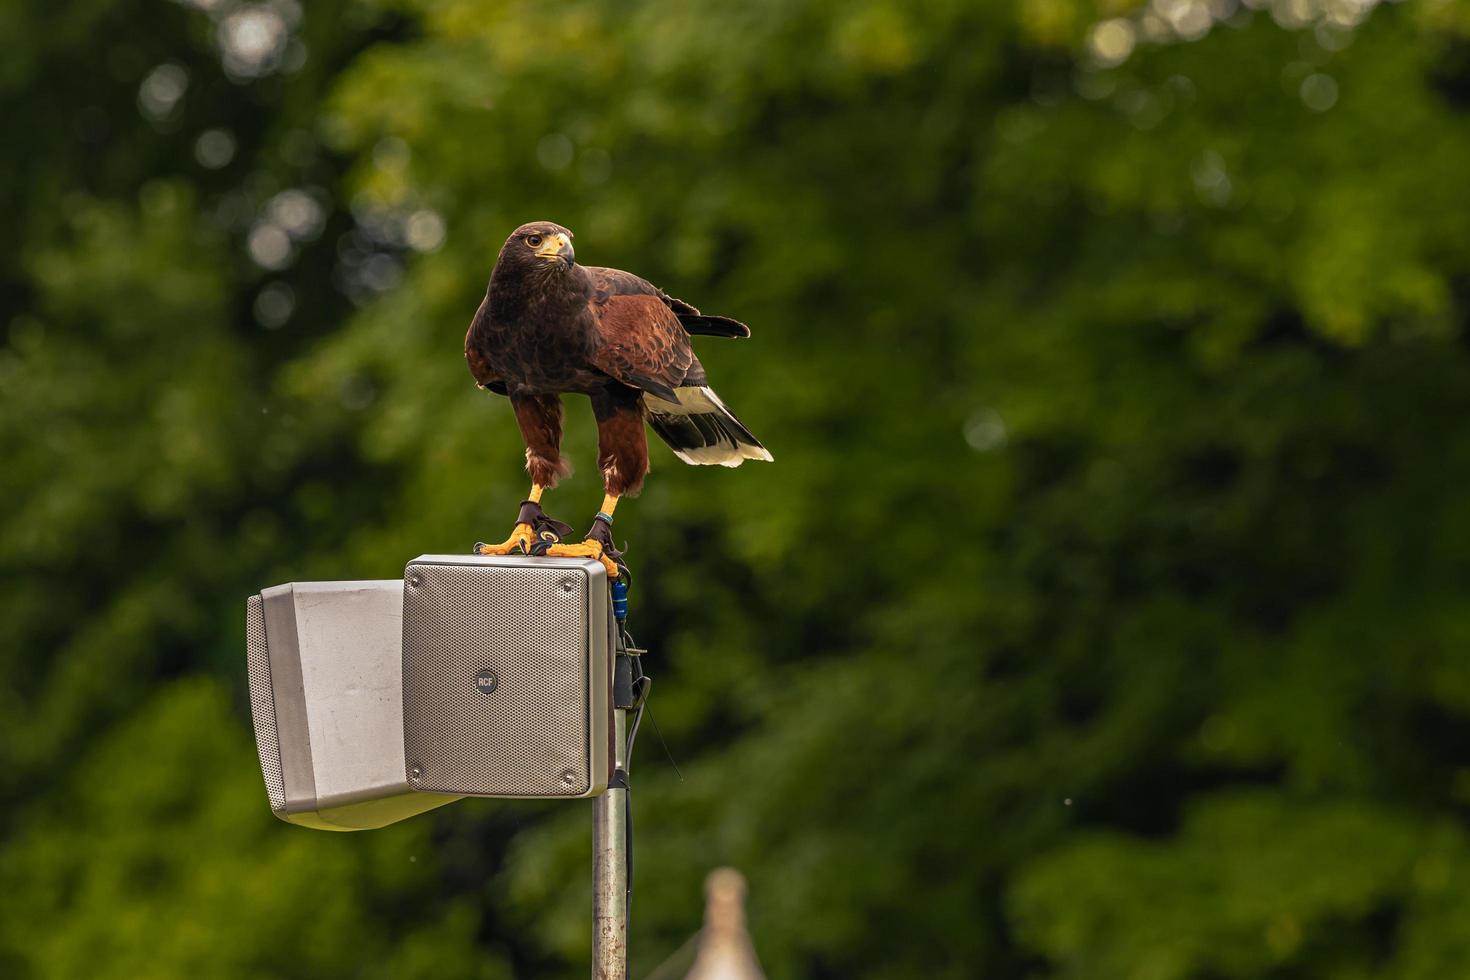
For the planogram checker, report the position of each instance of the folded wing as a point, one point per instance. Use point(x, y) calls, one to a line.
point(645, 345)
point(615, 282)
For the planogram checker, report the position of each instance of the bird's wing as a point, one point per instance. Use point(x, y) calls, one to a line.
point(480, 368)
point(642, 344)
point(615, 282)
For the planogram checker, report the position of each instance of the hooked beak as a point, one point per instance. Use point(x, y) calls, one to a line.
point(558, 247)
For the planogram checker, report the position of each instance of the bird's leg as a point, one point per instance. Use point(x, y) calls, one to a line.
point(622, 455)
point(524, 536)
point(601, 530)
point(598, 542)
point(539, 418)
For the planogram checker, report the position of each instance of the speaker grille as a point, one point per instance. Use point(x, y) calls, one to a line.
point(522, 629)
point(263, 702)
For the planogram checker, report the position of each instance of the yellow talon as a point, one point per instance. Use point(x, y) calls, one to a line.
point(587, 549)
point(520, 539)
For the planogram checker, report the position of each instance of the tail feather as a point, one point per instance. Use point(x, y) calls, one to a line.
point(701, 430)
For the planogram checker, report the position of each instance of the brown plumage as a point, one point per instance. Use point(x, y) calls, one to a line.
point(549, 327)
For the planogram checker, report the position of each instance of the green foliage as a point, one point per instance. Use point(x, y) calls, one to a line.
point(1101, 615)
point(1254, 883)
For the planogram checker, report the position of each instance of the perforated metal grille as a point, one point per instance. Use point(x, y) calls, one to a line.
point(263, 702)
point(527, 624)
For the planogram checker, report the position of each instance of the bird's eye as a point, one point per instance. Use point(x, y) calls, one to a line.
point(534, 241)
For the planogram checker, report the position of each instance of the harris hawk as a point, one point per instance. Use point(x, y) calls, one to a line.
point(548, 327)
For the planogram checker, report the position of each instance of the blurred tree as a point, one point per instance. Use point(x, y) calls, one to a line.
point(152, 479)
point(1101, 616)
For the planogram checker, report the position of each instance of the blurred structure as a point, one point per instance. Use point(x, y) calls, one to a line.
point(725, 951)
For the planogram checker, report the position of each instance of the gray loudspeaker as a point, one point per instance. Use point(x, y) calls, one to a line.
point(507, 676)
point(375, 701)
point(326, 696)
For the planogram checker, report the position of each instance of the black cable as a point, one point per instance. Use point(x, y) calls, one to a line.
point(640, 684)
point(628, 824)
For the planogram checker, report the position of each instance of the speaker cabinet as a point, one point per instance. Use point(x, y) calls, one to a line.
point(506, 676)
point(326, 697)
point(375, 701)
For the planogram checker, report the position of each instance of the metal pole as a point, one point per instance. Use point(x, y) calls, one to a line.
point(610, 865)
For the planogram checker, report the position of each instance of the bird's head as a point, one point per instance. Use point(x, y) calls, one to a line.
point(540, 246)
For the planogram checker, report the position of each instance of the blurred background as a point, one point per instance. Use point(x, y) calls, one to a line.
point(1106, 612)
